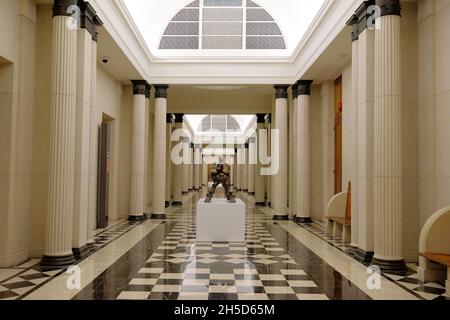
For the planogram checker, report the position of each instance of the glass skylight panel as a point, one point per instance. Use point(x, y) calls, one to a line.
point(222, 24)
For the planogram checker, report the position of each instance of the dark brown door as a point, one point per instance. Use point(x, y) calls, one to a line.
point(103, 176)
point(338, 136)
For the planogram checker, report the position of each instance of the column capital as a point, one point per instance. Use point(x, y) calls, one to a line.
point(260, 118)
point(192, 145)
point(268, 118)
point(354, 23)
point(246, 145)
point(179, 117)
point(170, 118)
point(161, 90)
point(281, 91)
point(363, 14)
point(139, 87)
point(303, 88)
point(61, 7)
point(89, 19)
point(389, 7)
point(148, 89)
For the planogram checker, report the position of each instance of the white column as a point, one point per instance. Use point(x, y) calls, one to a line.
point(58, 244)
point(245, 168)
point(137, 210)
point(280, 182)
point(205, 174)
point(147, 160)
point(177, 179)
point(328, 141)
point(197, 161)
point(363, 195)
point(150, 155)
point(268, 178)
point(191, 167)
point(251, 165)
point(186, 161)
point(303, 150)
point(159, 153)
point(292, 153)
point(353, 133)
point(259, 178)
point(82, 144)
point(169, 173)
point(388, 140)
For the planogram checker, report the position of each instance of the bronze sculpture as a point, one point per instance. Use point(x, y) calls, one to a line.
point(220, 176)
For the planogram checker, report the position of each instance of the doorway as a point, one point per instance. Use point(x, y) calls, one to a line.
point(104, 169)
point(338, 136)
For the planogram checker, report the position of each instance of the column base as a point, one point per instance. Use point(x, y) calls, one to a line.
point(298, 219)
point(184, 192)
point(251, 193)
point(190, 190)
point(260, 204)
point(80, 253)
point(281, 217)
point(91, 246)
point(167, 204)
point(245, 190)
point(390, 266)
point(177, 203)
point(57, 261)
point(158, 216)
point(361, 255)
point(137, 218)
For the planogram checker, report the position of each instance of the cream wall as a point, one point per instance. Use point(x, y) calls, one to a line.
point(17, 67)
point(24, 130)
point(433, 111)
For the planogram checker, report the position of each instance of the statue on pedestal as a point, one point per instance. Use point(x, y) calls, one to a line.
point(220, 176)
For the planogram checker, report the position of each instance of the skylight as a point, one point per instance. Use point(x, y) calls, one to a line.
point(223, 28)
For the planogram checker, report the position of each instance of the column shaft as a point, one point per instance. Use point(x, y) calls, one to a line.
point(58, 244)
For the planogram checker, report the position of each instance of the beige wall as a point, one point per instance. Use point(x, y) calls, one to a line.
point(17, 46)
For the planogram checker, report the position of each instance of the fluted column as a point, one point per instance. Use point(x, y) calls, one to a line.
point(197, 161)
point(388, 140)
point(169, 125)
point(177, 179)
point(185, 165)
point(191, 167)
point(292, 153)
point(353, 129)
point(238, 169)
point(280, 182)
point(303, 150)
point(245, 168)
point(259, 178)
point(268, 178)
point(137, 210)
point(364, 193)
point(147, 160)
point(58, 244)
point(159, 153)
point(86, 63)
point(251, 165)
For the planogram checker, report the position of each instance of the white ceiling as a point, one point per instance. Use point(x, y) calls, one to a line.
point(293, 16)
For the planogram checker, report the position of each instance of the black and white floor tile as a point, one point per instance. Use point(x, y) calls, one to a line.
point(409, 281)
point(21, 280)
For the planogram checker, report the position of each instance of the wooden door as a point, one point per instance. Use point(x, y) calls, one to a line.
point(338, 136)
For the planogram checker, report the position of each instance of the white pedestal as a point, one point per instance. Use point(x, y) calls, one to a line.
point(220, 221)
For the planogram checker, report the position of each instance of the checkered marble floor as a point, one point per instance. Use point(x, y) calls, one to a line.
point(258, 269)
point(426, 291)
point(21, 280)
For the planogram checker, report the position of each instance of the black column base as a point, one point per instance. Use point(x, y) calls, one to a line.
point(393, 267)
point(177, 203)
point(167, 204)
point(137, 218)
point(298, 219)
point(251, 193)
point(361, 255)
point(91, 246)
point(269, 204)
point(57, 261)
point(158, 216)
point(283, 217)
point(184, 192)
point(80, 253)
point(195, 189)
point(260, 204)
point(245, 190)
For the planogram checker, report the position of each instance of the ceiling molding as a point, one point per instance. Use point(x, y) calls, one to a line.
point(247, 70)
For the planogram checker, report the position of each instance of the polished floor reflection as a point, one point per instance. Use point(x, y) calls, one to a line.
point(162, 260)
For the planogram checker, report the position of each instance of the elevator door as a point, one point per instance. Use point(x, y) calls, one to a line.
point(103, 176)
